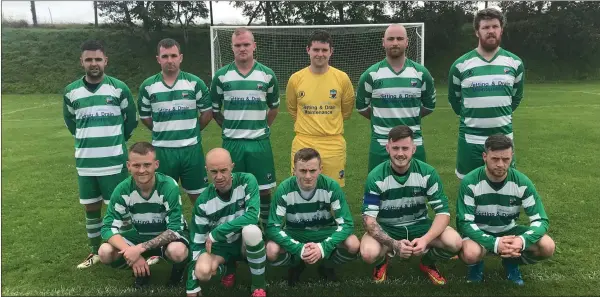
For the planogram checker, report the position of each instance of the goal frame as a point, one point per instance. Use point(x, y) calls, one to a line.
point(213, 28)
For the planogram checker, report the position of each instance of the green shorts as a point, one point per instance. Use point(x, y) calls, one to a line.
point(132, 237)
point(409, 232)
point(231, 252)
point(316, 236)
point(517, 231)
point(185, 164)
point(469, 156)
point(93, 189)
point(378, 154)
point(254, 157)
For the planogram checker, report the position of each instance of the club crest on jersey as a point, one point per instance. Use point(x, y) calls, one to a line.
point(184, 94)
point(269, 176)
point(301, 94)
point(332, 93)
point(259, 86)
point(321, 205)
point(413, 82)
point(506, 70)
point(240, 203)
point(226, 86)
point(109, 100)
point(417, 191)
point(342, 173)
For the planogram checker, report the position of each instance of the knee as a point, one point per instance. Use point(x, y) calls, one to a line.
point(471, 253)
point(455, 244)
point(177, 252)
point(203, 270)
point(251, 235)
point(273, 250)
point(546, 247)
point(107, 253)
point(352, 244)
point(369, 253)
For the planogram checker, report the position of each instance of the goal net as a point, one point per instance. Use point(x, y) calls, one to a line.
point(283, 48)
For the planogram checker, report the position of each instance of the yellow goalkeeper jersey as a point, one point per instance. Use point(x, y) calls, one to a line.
point(319, 103)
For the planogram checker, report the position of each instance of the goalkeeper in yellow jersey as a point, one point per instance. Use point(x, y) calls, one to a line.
point(319, 99)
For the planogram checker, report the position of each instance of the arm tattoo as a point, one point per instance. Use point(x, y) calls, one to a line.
point(376, 232)
point(160, 240)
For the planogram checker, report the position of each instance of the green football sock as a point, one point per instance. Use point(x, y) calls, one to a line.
point(93, 224)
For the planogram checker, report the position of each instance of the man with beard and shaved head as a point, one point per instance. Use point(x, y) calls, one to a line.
point(489, 203)
point(175, 106)
point(99, 111)
point(395, 91)
point(485, 87)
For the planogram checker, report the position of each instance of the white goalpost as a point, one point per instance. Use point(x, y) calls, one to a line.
point(283, 48)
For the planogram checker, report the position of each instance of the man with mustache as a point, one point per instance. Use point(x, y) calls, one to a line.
point(99, 111)
point(144, 219)
point(310, 221)
point(485, 87)
point(319, 99)
point(489, 203)
point(224, 226)
point(395, 91)
point(395, 215)
point(175, 106)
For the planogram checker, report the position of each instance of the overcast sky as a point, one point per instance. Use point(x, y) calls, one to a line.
point(83, 12)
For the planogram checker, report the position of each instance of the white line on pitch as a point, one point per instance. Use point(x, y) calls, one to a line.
point(24, 109)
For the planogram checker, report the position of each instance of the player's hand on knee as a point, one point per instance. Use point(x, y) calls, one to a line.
point(312, 253)
point(419, 246)
point(507, 248)
point(141, 268)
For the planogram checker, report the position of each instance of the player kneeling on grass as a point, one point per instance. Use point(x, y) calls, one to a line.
point(151, 202)
point(395, 211)
point(224, 226)
point(489, 201)
point(310, 221)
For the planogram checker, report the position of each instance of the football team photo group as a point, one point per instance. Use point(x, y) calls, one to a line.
point(246, 217)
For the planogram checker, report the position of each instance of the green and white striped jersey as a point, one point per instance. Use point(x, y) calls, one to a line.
point(245, 100)
point(485, 93)
point(483, 212)
point(174, 110)
point(101, 120)
point(149, 216)
point(401, 200)
point(223, 219)
point(395, 98)
point(326, 208)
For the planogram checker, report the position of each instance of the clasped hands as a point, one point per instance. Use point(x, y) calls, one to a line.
point(133, 256)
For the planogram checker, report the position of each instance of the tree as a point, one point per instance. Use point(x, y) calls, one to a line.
point(187, 11)
point(33, 14)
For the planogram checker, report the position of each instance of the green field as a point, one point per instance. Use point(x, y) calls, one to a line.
point(557, 136)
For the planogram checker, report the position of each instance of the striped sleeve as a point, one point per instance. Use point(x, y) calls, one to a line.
point(216, 93)
point(371, 198)
point(538, 220)
point(428, 91)
point(273, 92)
point(130, 120)
point(199, 229)
point(454, 89)
point(69, 114)
point(117, 214)
point(202, 96)
point(144, 107)
point(277, 215)
point(465, 219)
point(437, 199)
point(173, 205)
point(343, 219)
point(364, 91)
point(518, 87)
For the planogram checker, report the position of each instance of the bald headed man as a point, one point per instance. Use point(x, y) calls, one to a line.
point(224, 226)
point(248, 94)
point(395, 91)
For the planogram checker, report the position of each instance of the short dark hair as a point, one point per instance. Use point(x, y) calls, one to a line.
point(320, 36)
point(168, 43)
point(142, 148)
point(488, 14)
point(498, 142)
point(92, 45)
point(306, 154)
point(400, 132)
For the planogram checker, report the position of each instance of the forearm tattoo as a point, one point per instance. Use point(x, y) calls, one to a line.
point(160, 240)
point(376, 232)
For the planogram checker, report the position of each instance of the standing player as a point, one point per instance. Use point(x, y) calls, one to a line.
point(485, 86)
point(99, 111)
point(224, 226)
point(310, 221)
point(395, 91)
point(169, 103)
point(489, 203)
point(248, 92)
point(319, 99)
point(395, 211)
point(149, 202)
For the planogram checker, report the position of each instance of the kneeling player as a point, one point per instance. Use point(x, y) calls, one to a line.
point(301, 225)
point(224, 226)
point(395, 211)
point(151, 202)
point(489, 202)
